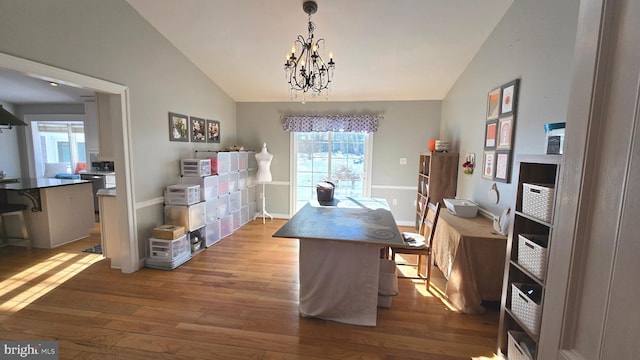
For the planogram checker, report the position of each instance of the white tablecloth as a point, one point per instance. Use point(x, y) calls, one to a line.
point(339, 281)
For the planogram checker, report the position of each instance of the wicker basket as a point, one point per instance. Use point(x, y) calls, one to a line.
point(532, 253)
point(514, 350)
point(524, 307)
point(537, 200)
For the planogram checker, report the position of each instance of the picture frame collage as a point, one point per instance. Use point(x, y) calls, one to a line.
point(185, 128)
point(499, 131)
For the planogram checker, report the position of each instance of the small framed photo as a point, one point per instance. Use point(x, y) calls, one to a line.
point(493, 104)
point(509, 99)
point(503, 166)
point(488, 165)
point(213, 131)
point(505, 133)
point(490, 134)
point(198, 129)
point(178, 127)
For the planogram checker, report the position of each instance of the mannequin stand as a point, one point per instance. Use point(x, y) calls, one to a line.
point(264, 210)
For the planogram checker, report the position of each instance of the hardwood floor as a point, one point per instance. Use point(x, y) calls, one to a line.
point(236, 300)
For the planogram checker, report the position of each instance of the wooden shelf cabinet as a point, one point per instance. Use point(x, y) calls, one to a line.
point(529, 169)
point(437, 178)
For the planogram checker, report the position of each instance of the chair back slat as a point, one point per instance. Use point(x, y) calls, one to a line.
point(430, 222)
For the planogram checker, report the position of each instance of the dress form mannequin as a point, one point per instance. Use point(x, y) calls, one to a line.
point(263, 175)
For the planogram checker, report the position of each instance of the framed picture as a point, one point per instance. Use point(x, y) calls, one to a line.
point(505, 133)
point(488, 165)
point(503, 166)
point(490, 134)
point(493, 104)
point(213, 131)
point(198, 129)
point(178, 127)
point(509, 99)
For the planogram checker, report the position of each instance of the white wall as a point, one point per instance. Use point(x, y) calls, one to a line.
point(403, 133)
point(535, 43)
point(109, 40)
point(9, 155)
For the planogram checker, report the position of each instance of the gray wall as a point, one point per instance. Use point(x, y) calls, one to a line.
point(535, 43)
point(9, 155)
point(109, 40)
point(403, 133)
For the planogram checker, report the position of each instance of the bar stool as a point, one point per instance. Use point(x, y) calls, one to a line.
point(7, 210)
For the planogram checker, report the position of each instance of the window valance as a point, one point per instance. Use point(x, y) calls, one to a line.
point(322, 123)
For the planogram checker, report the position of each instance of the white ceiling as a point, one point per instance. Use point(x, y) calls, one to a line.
point(383, 49)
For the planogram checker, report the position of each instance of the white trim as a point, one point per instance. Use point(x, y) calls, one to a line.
point(123, 157)
point(149, 203)
point(394, 187)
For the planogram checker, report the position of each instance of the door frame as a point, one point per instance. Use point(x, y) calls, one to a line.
point(121, 122)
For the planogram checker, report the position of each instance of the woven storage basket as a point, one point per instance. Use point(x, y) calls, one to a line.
point(532, 253)
point(524, 307)
point(537, 200)
point(514, 350)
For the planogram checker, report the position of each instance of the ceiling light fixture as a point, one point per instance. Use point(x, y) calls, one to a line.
point(308, 71)
point(53, 83)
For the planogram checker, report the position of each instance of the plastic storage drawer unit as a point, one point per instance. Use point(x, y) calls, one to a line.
point(191, 217)
point(196, 167)
point(182, 194)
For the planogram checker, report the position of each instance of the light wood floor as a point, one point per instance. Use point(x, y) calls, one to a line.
point(236, 300)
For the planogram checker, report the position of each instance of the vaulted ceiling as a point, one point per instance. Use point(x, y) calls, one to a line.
point(383, 49)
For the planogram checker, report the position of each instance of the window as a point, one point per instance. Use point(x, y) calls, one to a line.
point(339, 157)
point(58, 142)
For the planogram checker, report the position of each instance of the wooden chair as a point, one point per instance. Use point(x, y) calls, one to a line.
point(420, 244)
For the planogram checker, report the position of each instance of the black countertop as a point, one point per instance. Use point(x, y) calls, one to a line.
point(40, 183)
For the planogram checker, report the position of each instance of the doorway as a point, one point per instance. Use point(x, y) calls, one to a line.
point(119, 100)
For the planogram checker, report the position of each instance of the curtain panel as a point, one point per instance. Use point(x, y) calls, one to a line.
point(322, 123)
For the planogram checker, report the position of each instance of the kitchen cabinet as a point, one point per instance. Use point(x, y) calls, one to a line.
point(66, 213)
point(437, 179)
point(109, 227)
point(105, 131)
point(524, 282)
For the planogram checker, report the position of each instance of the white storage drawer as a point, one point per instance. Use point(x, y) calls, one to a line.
point(195, 167)
point(208, 185)
point(212, 233)
point(191, 217)
point(182, 194)
point(169, 249)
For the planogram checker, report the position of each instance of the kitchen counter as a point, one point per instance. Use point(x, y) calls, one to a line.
point(62, 210)
point(97, 172)
point(40, 183)
point(107, 192)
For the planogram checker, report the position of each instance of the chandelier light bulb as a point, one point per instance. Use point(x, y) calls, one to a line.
point(293, 49)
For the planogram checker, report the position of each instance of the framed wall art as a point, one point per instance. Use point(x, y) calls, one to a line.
point(178, 127)
point(493, 104)
point(488, 165)
point(509, 99)
point(198, 129)
point(503, 166)
point(213, 131)
point(490, 134)
point(505, 133)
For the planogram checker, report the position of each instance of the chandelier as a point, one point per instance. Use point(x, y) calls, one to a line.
point(308, 71)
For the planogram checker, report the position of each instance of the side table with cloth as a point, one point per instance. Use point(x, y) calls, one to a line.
point(471, 256)
point(339, 259)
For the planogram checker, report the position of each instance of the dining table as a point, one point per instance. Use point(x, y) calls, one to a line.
point(339, 256)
